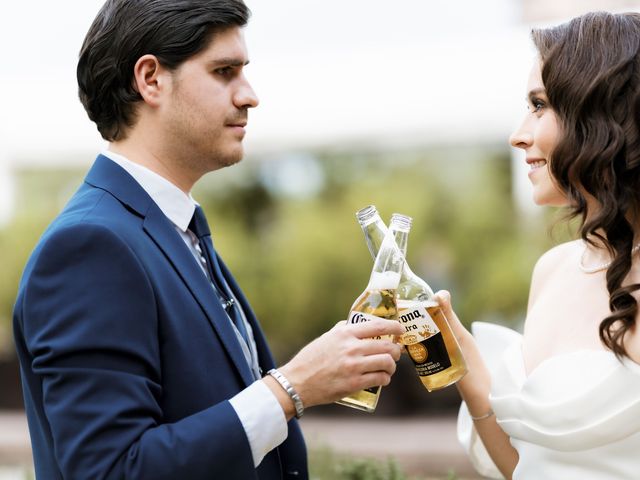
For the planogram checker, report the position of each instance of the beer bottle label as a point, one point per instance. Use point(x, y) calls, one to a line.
point(418, 324)
point(359, 317)
point(423, 340)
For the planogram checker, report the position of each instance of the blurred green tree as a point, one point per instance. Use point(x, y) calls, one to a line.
point(301, 258)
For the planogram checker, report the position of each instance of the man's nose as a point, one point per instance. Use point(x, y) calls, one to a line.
point(245, 97)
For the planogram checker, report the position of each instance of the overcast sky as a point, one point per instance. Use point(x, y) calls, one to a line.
point(326, 72)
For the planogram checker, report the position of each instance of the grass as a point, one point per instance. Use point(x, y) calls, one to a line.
point(325, 464)
point(16, 473)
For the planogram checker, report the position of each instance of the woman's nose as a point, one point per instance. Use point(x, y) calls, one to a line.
point(522, 137)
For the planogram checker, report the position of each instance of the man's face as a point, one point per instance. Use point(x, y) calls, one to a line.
point(206, 114)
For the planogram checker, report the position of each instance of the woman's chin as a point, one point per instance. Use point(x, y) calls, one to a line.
point(550, 199)
point(546, 202)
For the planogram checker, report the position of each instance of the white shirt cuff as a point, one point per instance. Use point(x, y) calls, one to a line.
point(262, 418)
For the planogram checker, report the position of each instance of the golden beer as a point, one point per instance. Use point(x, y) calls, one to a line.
point(372, 303)
point(377, 301)
point(428, 338)
point(431, 344)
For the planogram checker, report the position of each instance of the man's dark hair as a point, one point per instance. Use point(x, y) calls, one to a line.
point(125, 30)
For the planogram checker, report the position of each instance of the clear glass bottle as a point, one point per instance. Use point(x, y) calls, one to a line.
point(378, 300)
point(429, 341)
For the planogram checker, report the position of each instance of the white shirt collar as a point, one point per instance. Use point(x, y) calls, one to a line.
point(173, 202)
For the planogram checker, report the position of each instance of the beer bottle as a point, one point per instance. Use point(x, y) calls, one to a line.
point(428, 338)
point(378, 300)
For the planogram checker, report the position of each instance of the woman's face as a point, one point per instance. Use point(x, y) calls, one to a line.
point(537, 136)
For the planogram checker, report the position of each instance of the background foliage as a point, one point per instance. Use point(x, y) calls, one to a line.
point(286, 228)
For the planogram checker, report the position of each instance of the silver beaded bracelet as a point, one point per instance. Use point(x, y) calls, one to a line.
point(282, 380)
point(482, 417)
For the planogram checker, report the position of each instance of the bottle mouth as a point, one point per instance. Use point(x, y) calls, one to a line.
point(401, 221)
point(367, 214)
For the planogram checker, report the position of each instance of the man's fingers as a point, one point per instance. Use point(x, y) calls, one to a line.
point(375, 379)
point(341, 323)
point(374, 347)
point(379, 363)
point(377, 328)
point(377, 370)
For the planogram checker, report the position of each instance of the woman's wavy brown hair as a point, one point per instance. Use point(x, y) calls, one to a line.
point(591, 73)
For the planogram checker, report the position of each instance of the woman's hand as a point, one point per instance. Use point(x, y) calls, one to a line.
point(474, 386)
point(463, 336)
point(474, 389)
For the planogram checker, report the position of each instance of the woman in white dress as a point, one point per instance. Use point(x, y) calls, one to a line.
point(562, 401)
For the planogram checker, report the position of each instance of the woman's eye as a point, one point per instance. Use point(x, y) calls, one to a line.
point(536, 106)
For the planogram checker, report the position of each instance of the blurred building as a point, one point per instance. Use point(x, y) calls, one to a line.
point(329, 75)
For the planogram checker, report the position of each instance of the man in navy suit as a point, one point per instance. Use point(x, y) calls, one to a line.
point(140, 356)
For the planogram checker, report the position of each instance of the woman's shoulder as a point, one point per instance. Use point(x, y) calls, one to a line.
point(557, 256)
point(553, 260)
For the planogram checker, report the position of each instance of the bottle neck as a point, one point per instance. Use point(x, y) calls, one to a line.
point(387, 268)
point(402, 238)
point(374, 231)
point(400, 227)
point(413, 287)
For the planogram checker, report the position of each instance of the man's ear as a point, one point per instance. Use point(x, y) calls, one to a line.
point(150, 79)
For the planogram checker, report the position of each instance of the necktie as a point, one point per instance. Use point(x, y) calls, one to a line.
point(209, 260)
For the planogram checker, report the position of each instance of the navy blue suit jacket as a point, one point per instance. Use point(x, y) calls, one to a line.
point(127, 358)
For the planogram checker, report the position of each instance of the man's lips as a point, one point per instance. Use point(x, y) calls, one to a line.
point(238, 128)
point(237, 122)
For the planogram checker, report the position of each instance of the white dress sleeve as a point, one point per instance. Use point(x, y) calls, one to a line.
point(492, 341)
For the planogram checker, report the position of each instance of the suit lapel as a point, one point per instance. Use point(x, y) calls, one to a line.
point(109, 176)
point(265, 358)
point(166, 237)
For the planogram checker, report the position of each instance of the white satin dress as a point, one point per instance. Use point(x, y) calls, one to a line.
point(574, 417)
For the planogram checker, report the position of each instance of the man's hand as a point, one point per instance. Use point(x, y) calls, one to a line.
point(344, 360)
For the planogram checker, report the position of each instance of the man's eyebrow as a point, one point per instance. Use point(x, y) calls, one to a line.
point(228, 62)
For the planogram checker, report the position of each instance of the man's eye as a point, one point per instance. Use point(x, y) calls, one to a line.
point(224, 71)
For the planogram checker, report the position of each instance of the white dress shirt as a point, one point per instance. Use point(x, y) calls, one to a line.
point(256, 406)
